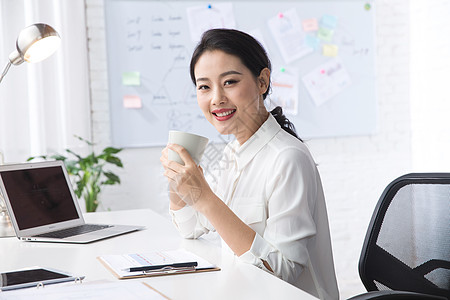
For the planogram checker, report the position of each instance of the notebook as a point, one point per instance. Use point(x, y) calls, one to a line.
point(43, 207)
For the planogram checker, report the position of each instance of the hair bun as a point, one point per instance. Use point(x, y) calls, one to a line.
point(284, 122)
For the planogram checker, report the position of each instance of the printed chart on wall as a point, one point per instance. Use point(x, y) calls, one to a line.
point(322, 53)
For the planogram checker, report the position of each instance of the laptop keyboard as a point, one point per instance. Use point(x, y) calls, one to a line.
point(86, 228)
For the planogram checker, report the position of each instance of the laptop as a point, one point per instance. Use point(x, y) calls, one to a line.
point(43, 207)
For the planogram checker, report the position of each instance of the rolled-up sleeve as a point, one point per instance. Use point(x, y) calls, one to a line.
point(189, 223)
point(290, 224)
point(282, 267)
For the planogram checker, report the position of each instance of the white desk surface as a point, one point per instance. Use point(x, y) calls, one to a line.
point(236, 280)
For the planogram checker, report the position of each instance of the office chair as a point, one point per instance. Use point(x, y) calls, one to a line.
point(406, 252)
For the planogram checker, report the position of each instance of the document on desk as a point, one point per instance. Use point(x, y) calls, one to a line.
point(87, 291)
point(158, 263)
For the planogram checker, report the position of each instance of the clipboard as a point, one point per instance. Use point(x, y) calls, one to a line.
point(119, 264)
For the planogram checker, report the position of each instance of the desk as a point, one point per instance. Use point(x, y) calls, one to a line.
point(236, 280)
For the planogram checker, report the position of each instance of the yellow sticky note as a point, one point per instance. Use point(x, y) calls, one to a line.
point(310, 25)
point(131, 78)
point(330, 50)
point(132, 101)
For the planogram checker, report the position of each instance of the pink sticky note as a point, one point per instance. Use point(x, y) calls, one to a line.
point(310, 25)
point(132, 101)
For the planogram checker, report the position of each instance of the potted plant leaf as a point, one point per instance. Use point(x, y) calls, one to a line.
point(89, 171)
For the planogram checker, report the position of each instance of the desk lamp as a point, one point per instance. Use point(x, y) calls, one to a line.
point(34, 43)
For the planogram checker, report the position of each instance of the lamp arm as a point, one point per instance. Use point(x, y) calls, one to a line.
point(5, 71)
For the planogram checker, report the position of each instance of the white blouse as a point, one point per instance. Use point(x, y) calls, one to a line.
point(272, 184)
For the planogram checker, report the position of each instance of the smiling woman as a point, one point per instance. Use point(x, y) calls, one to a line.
point(229, 95)
point(268, 205)
point(241, 51)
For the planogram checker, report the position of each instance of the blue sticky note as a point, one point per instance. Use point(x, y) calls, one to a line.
point(329, 21)
point(312, 41)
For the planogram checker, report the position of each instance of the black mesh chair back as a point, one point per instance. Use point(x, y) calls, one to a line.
point(407, 246)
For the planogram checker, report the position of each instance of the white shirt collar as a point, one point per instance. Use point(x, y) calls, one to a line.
point(243, 154)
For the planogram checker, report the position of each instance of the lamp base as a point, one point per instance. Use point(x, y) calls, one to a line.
point(6, 229)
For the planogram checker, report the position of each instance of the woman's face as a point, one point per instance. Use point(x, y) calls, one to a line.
point(229, 95)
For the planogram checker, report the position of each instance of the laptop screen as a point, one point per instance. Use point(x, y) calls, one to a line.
point(39, 196)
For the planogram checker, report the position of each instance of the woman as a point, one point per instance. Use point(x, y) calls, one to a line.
point(268, 204)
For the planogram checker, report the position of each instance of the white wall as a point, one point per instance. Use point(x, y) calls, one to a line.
point(354, 170)
point(430, 92)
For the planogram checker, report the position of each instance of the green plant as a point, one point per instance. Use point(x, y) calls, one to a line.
point(88, 172)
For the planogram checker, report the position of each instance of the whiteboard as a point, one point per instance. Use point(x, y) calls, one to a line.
point(149, 46)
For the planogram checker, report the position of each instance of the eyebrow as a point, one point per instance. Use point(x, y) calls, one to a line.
point(221, 75)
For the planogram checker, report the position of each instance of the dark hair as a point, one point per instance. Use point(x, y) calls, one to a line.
point(249, 51)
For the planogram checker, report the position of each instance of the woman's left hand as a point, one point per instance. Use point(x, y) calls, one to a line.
point(187, 181)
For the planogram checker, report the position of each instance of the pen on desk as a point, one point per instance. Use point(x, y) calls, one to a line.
point(160, 267)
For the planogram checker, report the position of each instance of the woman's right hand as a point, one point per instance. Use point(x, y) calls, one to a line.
point(176, 202)
point(188, 180)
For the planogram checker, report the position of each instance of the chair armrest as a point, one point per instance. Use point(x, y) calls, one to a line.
point(394, 295)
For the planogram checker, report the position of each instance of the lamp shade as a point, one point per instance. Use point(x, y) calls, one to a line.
point(35, 43)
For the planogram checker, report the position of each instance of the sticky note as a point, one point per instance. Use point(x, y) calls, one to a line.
point(312, 42)
point(328, 21)
point(132, 101)
point(131, 78)
point(310, 25)
point(330, 50)
point(325, 34)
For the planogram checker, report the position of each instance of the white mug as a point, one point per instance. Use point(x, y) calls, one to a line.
point(194, 144)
